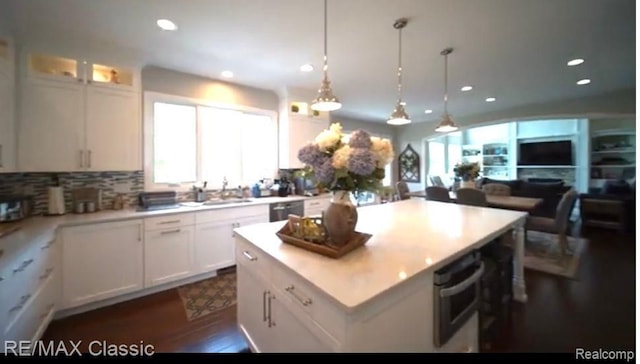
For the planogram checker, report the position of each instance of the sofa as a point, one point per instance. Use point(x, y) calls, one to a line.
point(549, 190)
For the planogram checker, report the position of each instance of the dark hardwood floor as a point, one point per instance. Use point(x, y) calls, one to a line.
point(596, 311)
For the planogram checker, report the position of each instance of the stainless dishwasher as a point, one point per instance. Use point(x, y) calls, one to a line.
point(279, 211)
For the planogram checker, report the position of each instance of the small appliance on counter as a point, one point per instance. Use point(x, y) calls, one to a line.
point(86, 199)
point(15, 207)
point(149, 201)
point(55, 199)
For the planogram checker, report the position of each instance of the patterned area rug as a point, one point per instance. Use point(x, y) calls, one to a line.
point(208, 296)
point(543, 253)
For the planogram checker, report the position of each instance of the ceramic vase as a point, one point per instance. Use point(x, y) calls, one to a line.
point(340, 218)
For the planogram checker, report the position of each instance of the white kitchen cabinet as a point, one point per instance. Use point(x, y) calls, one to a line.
point(316, 206)
point(101, 261)
point(214, 246)
point(295, 131)
point(7, 112)
point(90, 123)
point(168, 255)
point(215, 238)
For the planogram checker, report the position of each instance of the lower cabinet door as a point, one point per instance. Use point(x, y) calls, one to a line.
point(292, 336)
point(214, 246)
point(168, 255)
point(253, 312)
point(101, 261)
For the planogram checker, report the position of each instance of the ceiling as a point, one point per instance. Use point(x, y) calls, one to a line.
point(513, 50)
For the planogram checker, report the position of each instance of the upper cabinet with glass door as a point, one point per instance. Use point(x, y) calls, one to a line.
point(64, 68)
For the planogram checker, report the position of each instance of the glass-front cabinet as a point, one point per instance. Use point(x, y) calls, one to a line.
point(65, 68)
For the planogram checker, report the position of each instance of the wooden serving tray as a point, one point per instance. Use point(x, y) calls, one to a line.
point(326, 248)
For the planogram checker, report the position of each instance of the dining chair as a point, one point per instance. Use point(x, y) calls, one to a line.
point(498, 189)
point(402, 189)
point(437, 193)
point(560, 223)
point(471, 197)
point(436, 181)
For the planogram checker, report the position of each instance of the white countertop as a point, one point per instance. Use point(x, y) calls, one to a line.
point(409, 237)
point(36, 226)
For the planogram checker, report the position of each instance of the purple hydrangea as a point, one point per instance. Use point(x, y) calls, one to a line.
point(324, 172)
point(362, 161)
point(312, 155)
point(360, 139)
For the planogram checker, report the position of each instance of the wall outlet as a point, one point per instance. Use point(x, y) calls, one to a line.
point(122, 187)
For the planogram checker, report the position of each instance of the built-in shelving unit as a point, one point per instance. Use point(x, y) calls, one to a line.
point(612, 155)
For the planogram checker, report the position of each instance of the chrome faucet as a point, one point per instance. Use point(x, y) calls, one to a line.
point(224, 186)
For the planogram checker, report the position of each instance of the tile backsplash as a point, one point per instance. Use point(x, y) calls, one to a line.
point(37, 184)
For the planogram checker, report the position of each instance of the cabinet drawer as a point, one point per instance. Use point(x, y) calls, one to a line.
point(232, 213)
point(298, 293)
point(252, 258)
point(164, 222)
point(36, 313)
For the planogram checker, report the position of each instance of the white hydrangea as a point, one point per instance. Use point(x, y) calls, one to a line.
point(383, 150)
point(341, 157)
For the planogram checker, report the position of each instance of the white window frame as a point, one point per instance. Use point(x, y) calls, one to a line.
point(151, 97)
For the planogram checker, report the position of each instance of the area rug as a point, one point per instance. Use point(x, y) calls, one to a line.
point(543, 253)
point(208, 296)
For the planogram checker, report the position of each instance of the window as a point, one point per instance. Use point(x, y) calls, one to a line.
point(190, 140)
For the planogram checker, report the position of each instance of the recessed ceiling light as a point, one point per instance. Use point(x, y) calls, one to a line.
point(227, 74)
point(306, 67)
point(466, 88)
point(490, 99)
point(575, 62)
point(428, 111)
point(166, 24)
point(584, 81)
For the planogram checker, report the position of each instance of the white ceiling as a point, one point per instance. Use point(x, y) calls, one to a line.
point(514, 50)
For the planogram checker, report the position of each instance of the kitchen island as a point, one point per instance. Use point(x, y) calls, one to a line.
point(378, 298)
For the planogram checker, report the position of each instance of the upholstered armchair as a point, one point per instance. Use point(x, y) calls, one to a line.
point(437, 193)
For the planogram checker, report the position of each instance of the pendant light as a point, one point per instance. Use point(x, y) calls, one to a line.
point(399, 116)
point(326, 100)
point(446, 124)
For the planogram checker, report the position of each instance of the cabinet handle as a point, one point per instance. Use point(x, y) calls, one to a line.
point(264, 306)
point(1, 156)
point(89, 158)
point(304, 301)
point(169, 232)
point(139, 232)
point(47, 245)
point(46, 274)
point(168, 222)
point(249, 256)
point(81, 159)
point(23, 300)
point(23, 266)
point(269, 322)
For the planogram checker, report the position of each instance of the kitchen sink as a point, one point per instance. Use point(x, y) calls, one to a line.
point(227, 201)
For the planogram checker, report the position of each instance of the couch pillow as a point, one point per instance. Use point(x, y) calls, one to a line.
point(528, 189)
point(513, 183)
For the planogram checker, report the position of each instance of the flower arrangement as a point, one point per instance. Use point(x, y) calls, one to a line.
point(467, 171)
point(356, 165)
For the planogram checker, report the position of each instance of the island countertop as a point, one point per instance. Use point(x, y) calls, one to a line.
point(408, 238)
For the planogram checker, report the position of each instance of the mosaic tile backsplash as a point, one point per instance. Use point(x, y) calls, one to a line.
point(37, 184)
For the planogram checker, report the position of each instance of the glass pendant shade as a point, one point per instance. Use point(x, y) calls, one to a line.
point(326, 100)
point(399, 116)
point(446, 125)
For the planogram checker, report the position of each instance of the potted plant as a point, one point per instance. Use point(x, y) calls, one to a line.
point(467, 172)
